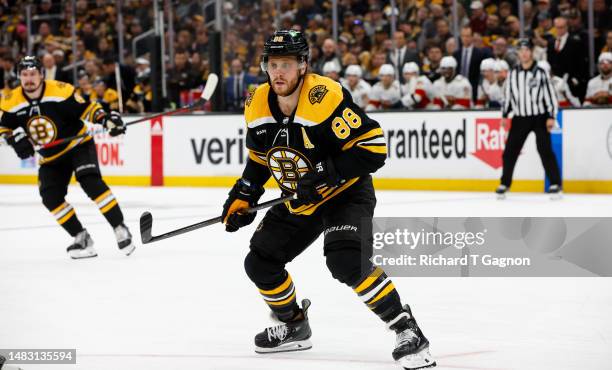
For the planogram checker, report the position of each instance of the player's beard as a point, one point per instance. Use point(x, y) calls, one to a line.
point(30, 87)
point(287, 88)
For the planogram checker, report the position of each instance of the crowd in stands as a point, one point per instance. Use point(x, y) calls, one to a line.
point(422, 65)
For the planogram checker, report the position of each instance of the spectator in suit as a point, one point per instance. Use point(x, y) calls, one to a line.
point(52, 71)
point(567, 56)
point(237, 86)
point(469, 58)
point(401, 55)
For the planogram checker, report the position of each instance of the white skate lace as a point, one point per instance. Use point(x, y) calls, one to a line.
point(405, 337)
point(279, 332)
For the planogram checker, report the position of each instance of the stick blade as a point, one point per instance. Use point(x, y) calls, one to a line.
point(146, 226)
point(211, 85)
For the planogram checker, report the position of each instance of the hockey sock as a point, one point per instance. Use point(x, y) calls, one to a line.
point(281, 299)
point(99, 192)
point(378, 293)
point(66, 217)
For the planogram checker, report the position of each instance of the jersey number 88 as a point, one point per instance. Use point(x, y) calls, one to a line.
point(342, 125)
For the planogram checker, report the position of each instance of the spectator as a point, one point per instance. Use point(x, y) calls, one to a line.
point(142, 66)
point(237, 86)
point(386, 93)
point(141, 98)
point(451, 46)
point(417, 91)
point(106, 96)
point(489, 94)
point(599, 87)
point(332, 70)
point(500, 51)
point(432, 62)
point(375, 64)
point(127, 76)
point(400, 54)
point(478, 20)
point(452, 90)
point(180, 78)
point(443, 31)
point(469, 58)
point(358, 88)
point(328, 55)
point(562, 90)
point(85, 88)
point(51, 71)
point(567, 57)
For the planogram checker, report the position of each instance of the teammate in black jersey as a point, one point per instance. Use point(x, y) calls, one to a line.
point(306, 132)
point(39, 112)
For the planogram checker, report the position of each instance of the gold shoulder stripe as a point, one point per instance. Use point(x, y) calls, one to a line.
point(258, 108)
point(378, 149)
point(319, 98)
point(57, 91)
point(256, 158)
point(13, 101)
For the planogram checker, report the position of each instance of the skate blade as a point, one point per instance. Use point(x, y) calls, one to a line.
point(77, 254)
point(556, 196)
point(301, 345)
point(501, 196)
point(128, 249)
point(419, 360)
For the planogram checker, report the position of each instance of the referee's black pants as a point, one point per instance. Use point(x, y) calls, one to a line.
point(520, 129)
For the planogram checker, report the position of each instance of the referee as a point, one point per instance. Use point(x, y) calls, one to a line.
point(530, 97)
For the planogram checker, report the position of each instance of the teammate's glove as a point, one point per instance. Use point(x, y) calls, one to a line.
point(114, 124)
point(20, 142)
point(243, 195)
point(323, 175)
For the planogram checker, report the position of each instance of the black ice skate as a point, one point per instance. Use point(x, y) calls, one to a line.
point(555, 192)
point(411, 348)
point(286, 337)
point(124, 239)
point(501, 191)
point(82, 247)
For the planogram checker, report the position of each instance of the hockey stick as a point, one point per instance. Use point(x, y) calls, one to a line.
point(146, 222)
point(209, 89)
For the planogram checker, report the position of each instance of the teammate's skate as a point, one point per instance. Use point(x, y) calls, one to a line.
point(124, 239)
point(82, 246)
point(555, 192)
point(411, 348)
point(286, 337)
point(501, 191)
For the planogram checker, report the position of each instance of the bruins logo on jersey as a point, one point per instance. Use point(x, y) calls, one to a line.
point(287, 165)
point(317, 93)
point(42, 129)
point(249, 98)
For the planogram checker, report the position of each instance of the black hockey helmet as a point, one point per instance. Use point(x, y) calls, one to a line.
point(285, 43)
point(29, 62)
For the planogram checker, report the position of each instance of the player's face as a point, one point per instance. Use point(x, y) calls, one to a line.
point(387, 80)
point(333, 75)
point(605, 67)
point(352, 80)
point(284, 74)
point(30, 80)
point(502, 75)
point(447, 72)
point(489, 74)
point(409, 76)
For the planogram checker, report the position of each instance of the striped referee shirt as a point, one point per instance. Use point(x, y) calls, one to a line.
point(529, 92)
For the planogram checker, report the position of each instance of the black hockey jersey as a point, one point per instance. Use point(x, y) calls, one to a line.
point(59, 113)
point(326, 124)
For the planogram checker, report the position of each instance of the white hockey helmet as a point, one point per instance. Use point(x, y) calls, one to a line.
point(545, 66)
point(448, 62)
point(501, 65)
point(605, 57)
point(332, 66)
point(411, 67)
point(386, 69)
point(487, 64)
point(353, 70)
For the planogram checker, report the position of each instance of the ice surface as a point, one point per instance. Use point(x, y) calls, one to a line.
point(186, 303)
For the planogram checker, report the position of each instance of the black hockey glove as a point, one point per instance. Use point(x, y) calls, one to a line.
point(323, 175)
point(114, 124)
point(20, 142)
point(243, 195)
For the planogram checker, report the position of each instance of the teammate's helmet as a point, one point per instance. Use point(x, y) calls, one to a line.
point(285, 43)
point(29, 62)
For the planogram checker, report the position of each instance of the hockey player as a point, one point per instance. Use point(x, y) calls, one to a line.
point(452, 90)
point(599, 89)
point(565, 98)
point(489, 93)
point(417, 91)
point(386, 93)
point(501, 73)
point(359, 89)
point(306, 132)
point(332, 70)
point(39, 112)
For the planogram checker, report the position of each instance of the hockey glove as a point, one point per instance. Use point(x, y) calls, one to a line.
point(243, 195)
point(114, 124)
point(312, 183)
point(20, 142)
